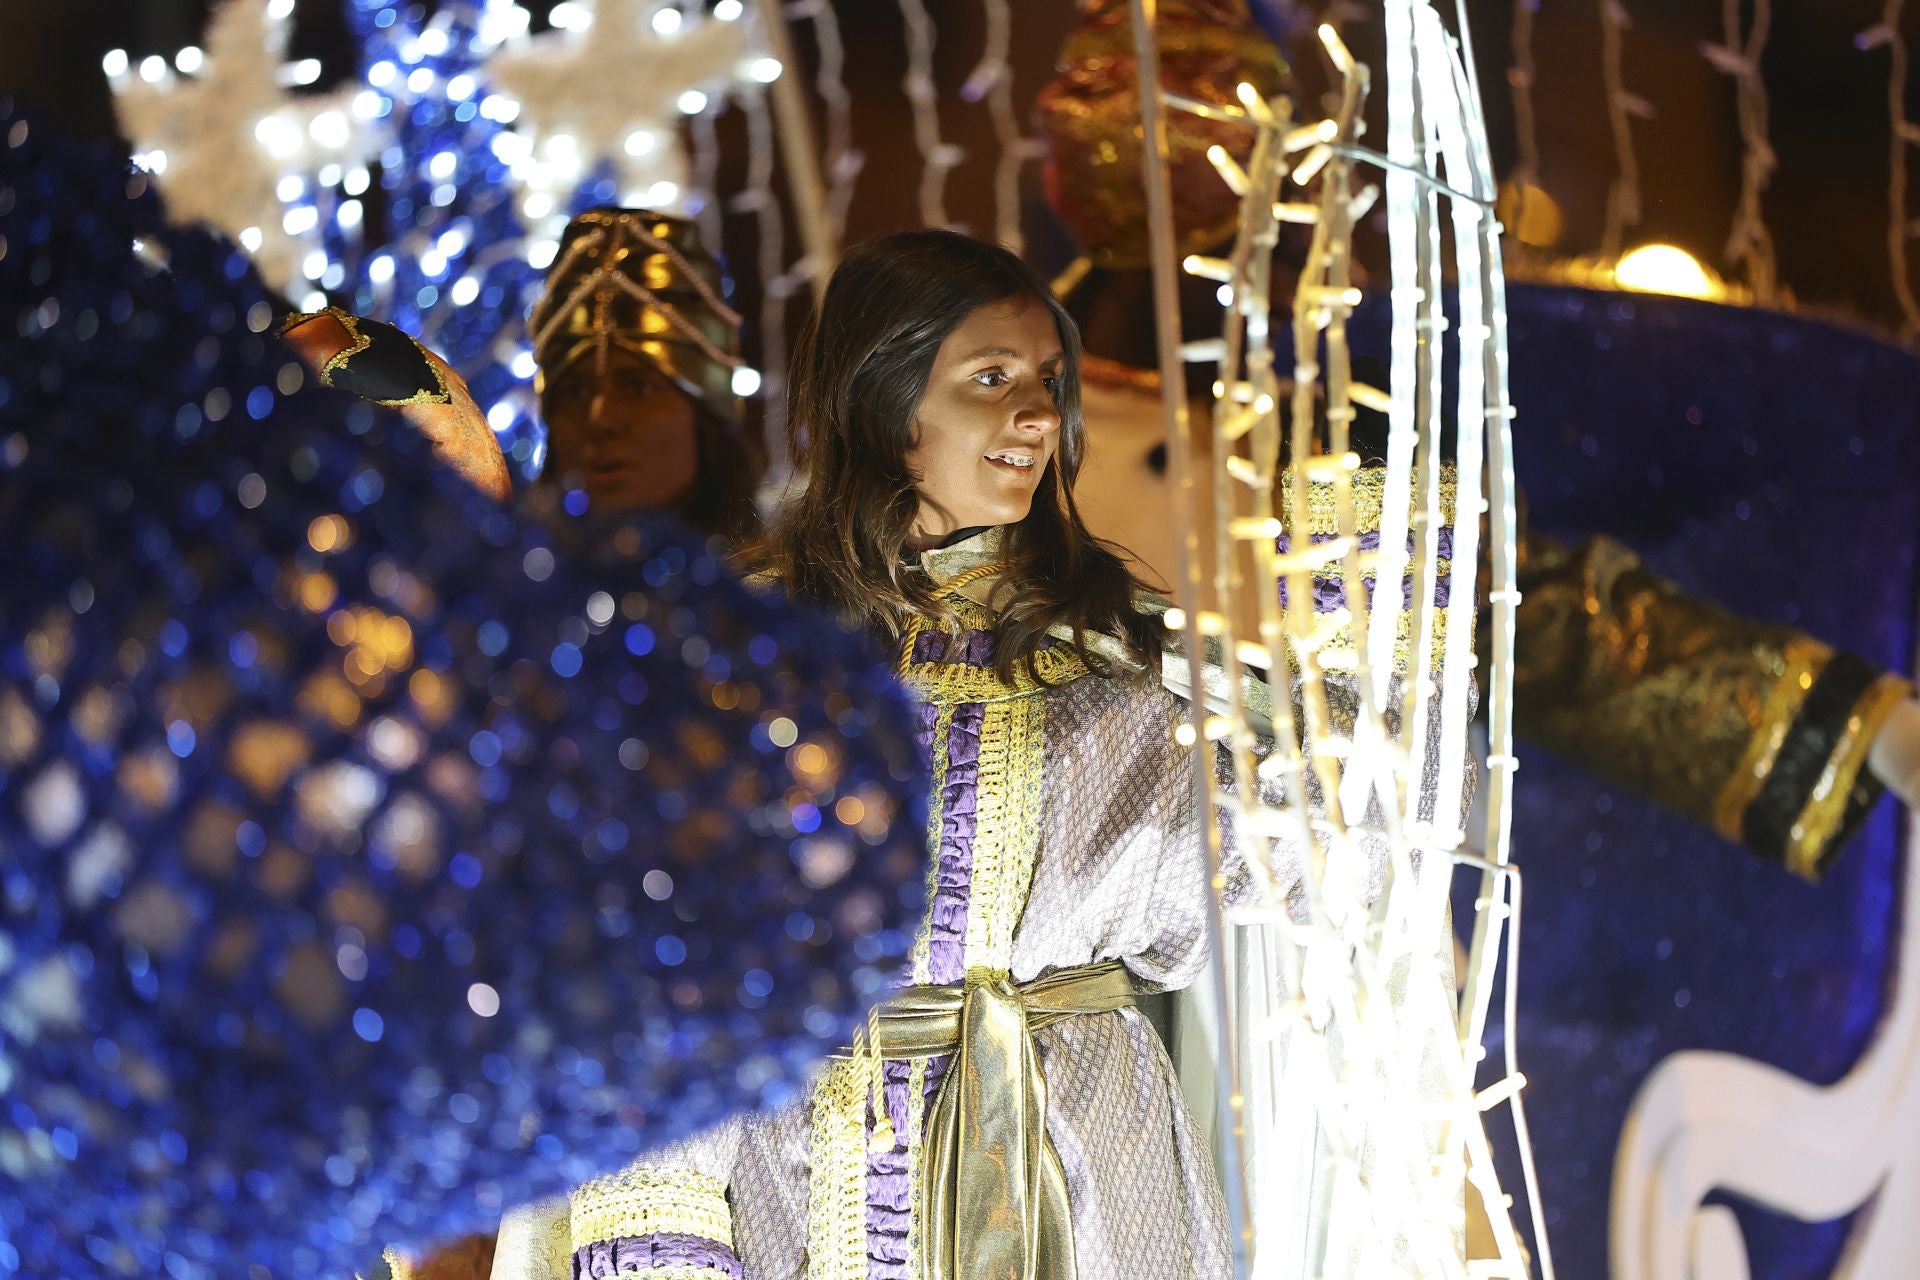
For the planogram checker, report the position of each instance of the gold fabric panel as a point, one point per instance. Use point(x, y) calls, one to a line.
point(990, 1195)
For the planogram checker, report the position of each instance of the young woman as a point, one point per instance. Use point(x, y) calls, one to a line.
point(1019, 1118)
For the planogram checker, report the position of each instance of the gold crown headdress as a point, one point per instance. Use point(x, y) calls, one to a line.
point(641, 282)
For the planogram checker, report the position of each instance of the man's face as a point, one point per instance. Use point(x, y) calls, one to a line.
point(626, 435)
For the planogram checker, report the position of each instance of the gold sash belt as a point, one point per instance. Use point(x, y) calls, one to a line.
point(995, 1195)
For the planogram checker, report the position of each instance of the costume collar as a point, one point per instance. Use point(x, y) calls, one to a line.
point(944, 564)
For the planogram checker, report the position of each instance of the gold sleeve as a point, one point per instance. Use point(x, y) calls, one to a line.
point(1757, 730)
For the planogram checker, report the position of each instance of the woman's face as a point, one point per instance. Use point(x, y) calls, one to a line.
point(989, 423)
point(627, 437)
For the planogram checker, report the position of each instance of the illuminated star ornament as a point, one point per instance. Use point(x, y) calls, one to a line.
point(224, 136)
point(646, 64)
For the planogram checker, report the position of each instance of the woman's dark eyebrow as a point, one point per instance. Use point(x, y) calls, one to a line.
point(1008, 353)
point(984, 352)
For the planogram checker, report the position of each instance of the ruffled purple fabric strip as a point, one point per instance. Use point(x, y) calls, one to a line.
point(640, 1254)
point(889, 1188)
point(953, 867)
point(973, 648)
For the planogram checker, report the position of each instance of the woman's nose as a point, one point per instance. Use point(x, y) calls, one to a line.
point(1037, 413)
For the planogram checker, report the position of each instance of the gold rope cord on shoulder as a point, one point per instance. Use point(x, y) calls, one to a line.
point(915, 623)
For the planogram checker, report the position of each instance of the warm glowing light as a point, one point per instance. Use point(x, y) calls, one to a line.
point(115, 63)
point(666, 21)
point(189, 59)
point(745, 381)
point(692, 102)
point(728, 10)
point(764, 70)
point(1665, 268)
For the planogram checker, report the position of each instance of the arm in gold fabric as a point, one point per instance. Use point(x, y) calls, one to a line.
point(1757, 730)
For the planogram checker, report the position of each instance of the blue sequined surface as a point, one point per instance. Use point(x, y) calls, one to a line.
point(1766, 462)
point(371, 861)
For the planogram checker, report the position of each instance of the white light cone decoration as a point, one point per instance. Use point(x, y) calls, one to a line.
point(221, 141)
point(1360, 1133)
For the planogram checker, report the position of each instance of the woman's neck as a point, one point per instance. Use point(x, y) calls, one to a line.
point(937, 542)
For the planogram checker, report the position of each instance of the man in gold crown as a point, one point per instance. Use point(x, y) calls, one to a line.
point(636, 352)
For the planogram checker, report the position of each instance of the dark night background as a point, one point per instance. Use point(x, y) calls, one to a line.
point(1827, 207)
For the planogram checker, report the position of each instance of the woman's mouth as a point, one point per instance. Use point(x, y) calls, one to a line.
point(1017, 460)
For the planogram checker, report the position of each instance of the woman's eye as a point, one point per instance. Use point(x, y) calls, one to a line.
point(1052, 383)
point(992, 378)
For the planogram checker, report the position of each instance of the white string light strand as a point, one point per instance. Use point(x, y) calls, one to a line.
point(776, 281)
point(936, 156)
point(701, 127)
point(1623, 197)
point(1901, 134)
point(993, 79)
point(843, 161)
point(1749, 243)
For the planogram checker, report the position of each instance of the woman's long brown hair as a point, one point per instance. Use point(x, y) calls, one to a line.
point(859, 372)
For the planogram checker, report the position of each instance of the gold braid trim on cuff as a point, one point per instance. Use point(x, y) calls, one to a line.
point(642, 1201)
point(1802, 659)
point(837, 1184)
point(1819, 821)
point(1369, 485)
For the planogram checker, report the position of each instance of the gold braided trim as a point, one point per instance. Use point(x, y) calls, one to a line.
point(837, 1187)
point(916, 1170)
point(1801, 661)
point(944, 684)
point(1369, 486)
point(641, 1201)
point(1820, 819)
point(1006, 838)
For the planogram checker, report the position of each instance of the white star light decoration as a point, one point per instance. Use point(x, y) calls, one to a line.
point(228, 143)
point(605, 86)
